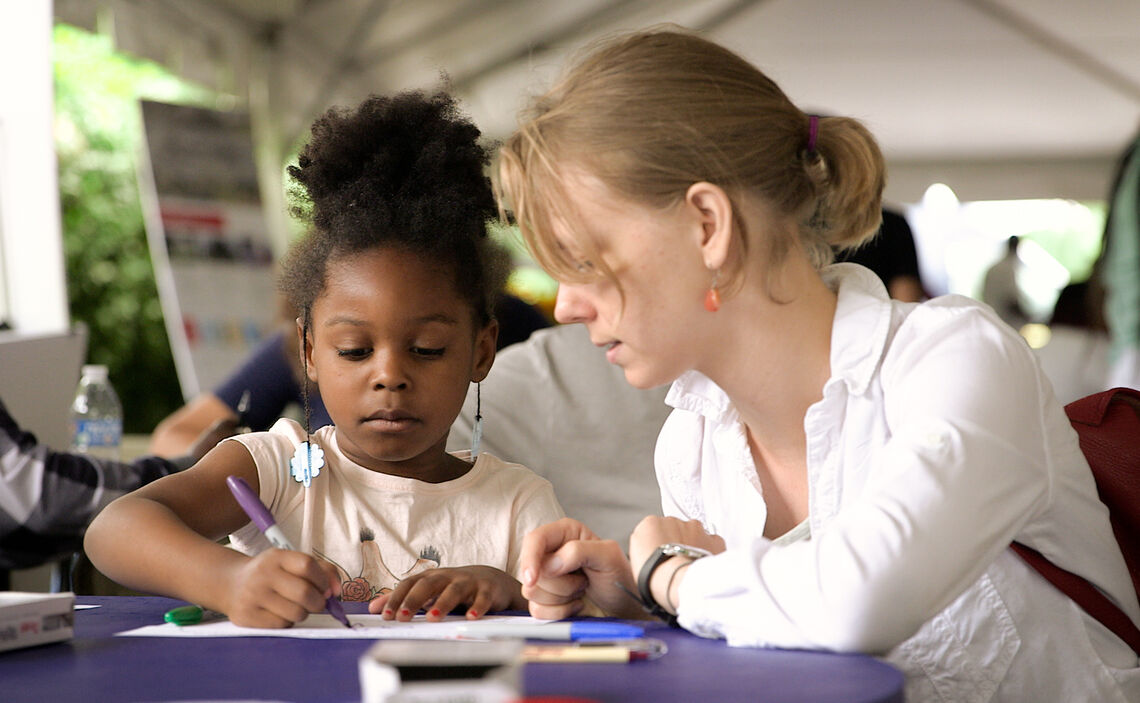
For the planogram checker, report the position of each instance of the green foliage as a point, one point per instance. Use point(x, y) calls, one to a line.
point(110, 279)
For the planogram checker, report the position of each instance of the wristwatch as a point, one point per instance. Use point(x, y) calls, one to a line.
point(658, 557)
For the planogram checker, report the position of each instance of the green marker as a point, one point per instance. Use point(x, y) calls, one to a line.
point(184, 615)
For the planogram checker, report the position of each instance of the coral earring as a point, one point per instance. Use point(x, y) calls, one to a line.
point(712, 300)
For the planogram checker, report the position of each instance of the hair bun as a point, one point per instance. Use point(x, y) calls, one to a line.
point(407, 161)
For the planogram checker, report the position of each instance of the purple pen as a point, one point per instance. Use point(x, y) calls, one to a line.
point(261, 517)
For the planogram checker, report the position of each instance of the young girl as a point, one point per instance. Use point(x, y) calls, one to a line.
point(393, 288)
point(840, 471)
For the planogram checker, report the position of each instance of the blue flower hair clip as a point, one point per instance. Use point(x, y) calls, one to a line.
point(306, 462)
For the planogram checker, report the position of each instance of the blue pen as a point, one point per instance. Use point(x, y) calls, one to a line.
point(261, 517)
point(576, 630)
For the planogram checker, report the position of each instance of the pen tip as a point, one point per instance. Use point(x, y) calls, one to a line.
point(336, 610)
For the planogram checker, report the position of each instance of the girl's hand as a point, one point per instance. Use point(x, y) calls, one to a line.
point(279, 588)
point(481, 589)
point(563, 563)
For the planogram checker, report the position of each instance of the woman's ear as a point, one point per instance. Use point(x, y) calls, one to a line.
point(306, 350)
point(486, 341)
point(714, 211)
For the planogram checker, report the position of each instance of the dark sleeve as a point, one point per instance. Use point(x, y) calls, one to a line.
point(268, 376)
point(47, 498)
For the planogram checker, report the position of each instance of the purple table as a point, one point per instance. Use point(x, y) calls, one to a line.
point(95, 666)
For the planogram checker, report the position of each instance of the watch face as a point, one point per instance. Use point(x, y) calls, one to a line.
point(684, 550)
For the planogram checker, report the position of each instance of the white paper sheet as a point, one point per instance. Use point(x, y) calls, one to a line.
point(323, 626)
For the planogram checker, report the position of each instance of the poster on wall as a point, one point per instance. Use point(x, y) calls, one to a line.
point(208, 238)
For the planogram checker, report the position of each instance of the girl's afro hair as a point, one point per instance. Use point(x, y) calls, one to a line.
point(404, 171)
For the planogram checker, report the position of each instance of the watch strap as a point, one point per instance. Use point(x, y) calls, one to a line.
point(656, 559)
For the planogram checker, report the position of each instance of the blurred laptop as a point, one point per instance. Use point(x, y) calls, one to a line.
point(38, 376)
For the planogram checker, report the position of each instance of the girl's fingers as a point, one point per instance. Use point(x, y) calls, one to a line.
point(484, 601)
point(394, 606)
point(276, 610)
point(441, 591)
point(451, 595)
point(333, 577)
point(301, 588)
point(377, 604)
point(423, 592)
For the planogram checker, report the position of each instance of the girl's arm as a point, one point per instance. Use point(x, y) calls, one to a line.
point(164, 537)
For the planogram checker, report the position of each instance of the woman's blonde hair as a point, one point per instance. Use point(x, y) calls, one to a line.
point(652, 112)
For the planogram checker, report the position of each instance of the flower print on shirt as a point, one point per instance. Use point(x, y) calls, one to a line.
point(375, 578)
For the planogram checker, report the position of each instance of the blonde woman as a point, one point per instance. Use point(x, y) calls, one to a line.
point(854, 468)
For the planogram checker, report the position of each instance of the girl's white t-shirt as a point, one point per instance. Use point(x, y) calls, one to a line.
point(378, 529)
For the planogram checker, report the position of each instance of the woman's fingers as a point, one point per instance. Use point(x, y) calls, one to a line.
point(556, 612)
point(544, 540)
point(593, 568)
point(561, 589)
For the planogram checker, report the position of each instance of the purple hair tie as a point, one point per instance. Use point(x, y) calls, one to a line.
point(813, 131)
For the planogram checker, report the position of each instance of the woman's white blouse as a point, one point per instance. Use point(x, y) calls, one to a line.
point(937, 442)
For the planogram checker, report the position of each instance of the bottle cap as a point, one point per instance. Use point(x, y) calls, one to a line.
point(95, 371)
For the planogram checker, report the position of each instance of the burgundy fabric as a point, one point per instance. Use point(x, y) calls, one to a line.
point(1108, 424)
point(1109, 427)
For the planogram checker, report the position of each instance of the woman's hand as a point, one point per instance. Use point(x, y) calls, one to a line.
point(654, 531)
point(482, 589)
point(279, 588)
point(563, 563)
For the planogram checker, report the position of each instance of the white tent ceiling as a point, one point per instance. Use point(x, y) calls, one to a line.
point(998, 98)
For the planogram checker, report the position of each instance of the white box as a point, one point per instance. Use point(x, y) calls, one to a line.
point(28, 619)
point(441, 671)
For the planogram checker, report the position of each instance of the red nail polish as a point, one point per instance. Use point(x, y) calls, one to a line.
point(405, 611)
point(434, 612)
point(472, 613)
point(387, 611)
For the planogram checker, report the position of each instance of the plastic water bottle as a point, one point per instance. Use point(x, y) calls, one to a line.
point(96, 415)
